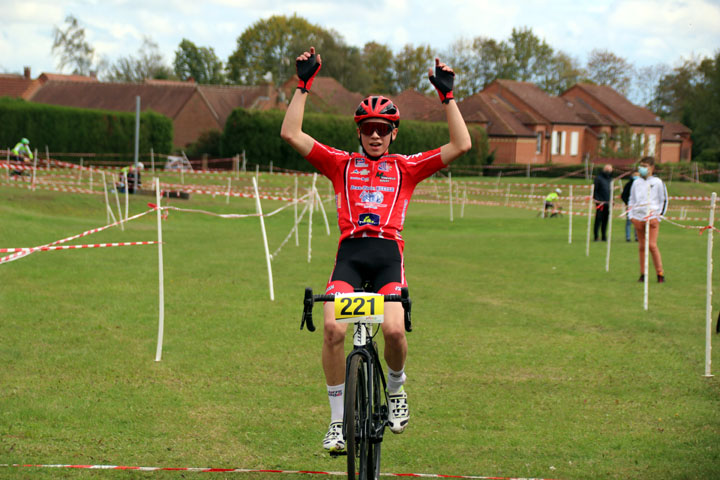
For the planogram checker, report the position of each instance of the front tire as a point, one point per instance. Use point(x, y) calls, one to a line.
point(357, 420)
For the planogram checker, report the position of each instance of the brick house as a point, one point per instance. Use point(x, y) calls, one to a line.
point(619, 113)
point(193, 108)
point(676, 144)
point(559, 132)
point(509, 139)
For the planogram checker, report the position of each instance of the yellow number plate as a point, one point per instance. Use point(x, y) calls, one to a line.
point(354, 307)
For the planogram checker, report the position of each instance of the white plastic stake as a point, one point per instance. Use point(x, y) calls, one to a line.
point(462, 205)
point(127, 194)
point(610, 222)
point(91, 177)
point(507, 195)
point(152, 160)
point(570, 216)
point(708, 302)
point(79, 177)
point(120, 215)
point(227, 199)
point(532, 193)
point(107, 200)
point(590, 205)
point(322, 210)
point(264, 235)
point(295, 199)
point(161, 280)
point(34, 170)
point(311, 199)
point(450, 194)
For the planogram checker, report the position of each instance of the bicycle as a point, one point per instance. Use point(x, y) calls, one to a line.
point(366, 398)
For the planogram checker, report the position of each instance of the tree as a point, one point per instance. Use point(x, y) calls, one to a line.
point(72, 48)
point(674, 89)
point(645, 83)
point(531, 56)
point(200, 63)
point(411, 67)
point(606, 68)
point(562, 72)
point(147, 64)
point(701, 112)
point(271, 46)
point(378, 61)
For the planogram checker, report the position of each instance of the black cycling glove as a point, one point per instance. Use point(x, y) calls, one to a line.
point(306, 71)
point(443, 83)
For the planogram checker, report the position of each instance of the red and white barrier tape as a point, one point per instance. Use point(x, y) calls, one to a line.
point(251, 470)
point(25, 252)
point(41, 186)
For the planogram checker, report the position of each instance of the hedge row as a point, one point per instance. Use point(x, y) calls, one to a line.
point(68, 129)
point(258, 134)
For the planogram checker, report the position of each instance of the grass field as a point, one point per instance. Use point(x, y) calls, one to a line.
point(528, 359)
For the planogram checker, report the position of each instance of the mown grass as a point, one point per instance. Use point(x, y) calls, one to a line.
point(527, 359)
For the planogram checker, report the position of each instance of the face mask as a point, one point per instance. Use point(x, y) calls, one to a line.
point(643, 171)
point(635, 177)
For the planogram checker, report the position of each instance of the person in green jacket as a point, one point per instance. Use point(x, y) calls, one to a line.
point(550, 201)
point(21, 153)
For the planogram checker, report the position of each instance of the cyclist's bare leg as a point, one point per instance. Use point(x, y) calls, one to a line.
point(333, 349)
point(394, 332)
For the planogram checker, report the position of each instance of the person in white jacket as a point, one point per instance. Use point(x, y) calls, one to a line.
point(648, 203)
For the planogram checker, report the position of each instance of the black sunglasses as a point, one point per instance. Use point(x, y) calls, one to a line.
point(382, 129)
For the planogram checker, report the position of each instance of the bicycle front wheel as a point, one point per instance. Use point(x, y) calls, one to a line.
point(357, 421)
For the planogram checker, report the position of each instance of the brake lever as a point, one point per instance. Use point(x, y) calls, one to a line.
point(307, 310)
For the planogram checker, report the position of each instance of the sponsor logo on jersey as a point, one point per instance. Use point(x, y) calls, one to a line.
point(362, 179)
point(384, 167)
point(385, 189)
point(360, 172)
point(368, 219)
point(383, 178)
point(361, 162)
point(372, 197)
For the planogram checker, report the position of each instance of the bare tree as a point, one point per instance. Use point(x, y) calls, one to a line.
point(71, 48)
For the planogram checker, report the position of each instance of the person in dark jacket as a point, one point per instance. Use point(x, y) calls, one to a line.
point(626, 198)
point(601, 196)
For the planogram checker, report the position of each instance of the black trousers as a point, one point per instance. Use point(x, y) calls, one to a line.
point(602, 214)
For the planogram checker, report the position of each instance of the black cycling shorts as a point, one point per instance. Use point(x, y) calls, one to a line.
point(376, 261)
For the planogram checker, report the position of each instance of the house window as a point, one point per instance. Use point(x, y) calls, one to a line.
point(538, 142)
point(603, 140)
point(651, 145)
point(574, 140)
point(555, 143)
point(563, 141)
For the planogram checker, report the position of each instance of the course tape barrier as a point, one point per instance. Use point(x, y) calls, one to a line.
point(25, 252)
point(252, 470)
point(54, 188)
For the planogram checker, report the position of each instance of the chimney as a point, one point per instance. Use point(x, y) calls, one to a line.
point(26, 73)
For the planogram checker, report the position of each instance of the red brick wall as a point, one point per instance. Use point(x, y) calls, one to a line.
point(194, 118)
point(514, 150)
point(670, 152)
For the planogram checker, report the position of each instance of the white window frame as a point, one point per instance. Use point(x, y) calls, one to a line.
point(563, 142)
point(538, 142)
point(574, 143)
point(652, 144)
point(554, 149)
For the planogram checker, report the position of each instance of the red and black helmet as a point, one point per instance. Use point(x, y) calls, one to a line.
point(376, 106)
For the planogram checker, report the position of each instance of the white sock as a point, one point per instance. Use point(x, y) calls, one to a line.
point(337, 405)
point(396, 379)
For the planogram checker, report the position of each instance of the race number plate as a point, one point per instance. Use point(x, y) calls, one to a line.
point(355, 307)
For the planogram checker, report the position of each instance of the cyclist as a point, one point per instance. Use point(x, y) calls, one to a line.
point(550, 200)
point(372, 191)
point(21, 153)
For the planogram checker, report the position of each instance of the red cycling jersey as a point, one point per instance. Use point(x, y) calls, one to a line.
point(372, 196)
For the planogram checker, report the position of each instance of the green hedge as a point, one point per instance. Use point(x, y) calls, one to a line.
point(68, 129)
point(258, 134)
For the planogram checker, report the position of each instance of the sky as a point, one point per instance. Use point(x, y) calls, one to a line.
point(644, 32)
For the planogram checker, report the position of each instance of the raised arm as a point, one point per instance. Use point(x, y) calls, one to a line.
point(460, 141)
point(308, 64)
